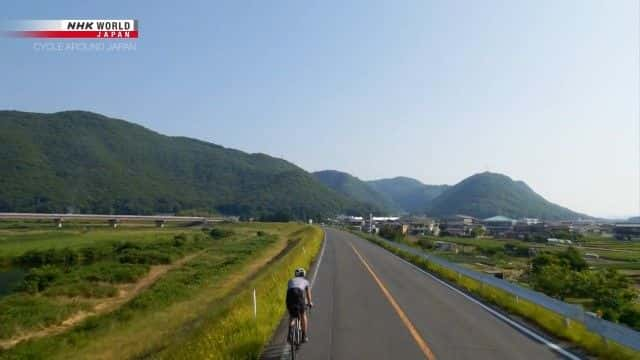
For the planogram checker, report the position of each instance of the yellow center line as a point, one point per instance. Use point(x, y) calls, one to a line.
point(405, 320)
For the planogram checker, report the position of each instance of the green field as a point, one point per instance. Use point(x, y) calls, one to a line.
point(97, 292)
point(612, 253)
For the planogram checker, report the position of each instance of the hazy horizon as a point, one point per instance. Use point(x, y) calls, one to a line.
point(543, 92)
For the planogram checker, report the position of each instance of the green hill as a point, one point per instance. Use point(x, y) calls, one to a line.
point(85, 162)
point(489, 194)
point(356, 189)
point(408, 194)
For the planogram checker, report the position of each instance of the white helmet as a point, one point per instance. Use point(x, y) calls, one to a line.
point(300, 272)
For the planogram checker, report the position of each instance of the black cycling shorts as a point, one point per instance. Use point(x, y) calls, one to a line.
point(295, 302)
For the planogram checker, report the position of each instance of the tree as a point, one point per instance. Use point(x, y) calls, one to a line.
point(392, 232)
point(554, 280)
point(541, 261)
point(574, 259)
point(477, 231)
point(611, 293)
point(566, 274)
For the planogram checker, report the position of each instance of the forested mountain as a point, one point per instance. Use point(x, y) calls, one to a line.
point(488, 194)
point(408, 194)
point(85, 162)
point(356, 189)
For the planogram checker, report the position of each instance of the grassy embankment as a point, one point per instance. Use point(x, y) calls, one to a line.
point(550, 321)
point(236, 334)
point(95, 266)
point(173, 307)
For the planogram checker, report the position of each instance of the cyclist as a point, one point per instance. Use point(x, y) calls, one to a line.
point(299, 294)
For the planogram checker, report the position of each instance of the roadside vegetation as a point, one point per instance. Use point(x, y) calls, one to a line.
point(126, 294)
point(548, 320)
point(235, 333)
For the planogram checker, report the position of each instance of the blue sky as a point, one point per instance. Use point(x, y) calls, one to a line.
point(543, 91)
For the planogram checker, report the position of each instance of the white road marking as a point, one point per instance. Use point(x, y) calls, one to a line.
point(315, 273)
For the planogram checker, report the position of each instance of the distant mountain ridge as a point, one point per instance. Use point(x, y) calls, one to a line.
point(356, 189)
point(488, 194)
point(85, 162)
point(481, 195)
point(410, 195)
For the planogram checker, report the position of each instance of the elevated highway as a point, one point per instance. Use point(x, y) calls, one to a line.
point(113, 220)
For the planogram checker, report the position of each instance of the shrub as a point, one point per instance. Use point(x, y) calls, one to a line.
point(36, 258)
point(218, 233)
point(426, 243)
point(391, 232)
point(114, 273)
point(179, 240)
point(21, 311)
point(631, 317)
point(490, 250)
point(138, 256)
point(90, 255)
point(122, 246)
point(516, 249)
point(40, 278)
point(86, 290)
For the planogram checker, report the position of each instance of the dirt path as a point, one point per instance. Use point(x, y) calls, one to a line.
point(126, 292)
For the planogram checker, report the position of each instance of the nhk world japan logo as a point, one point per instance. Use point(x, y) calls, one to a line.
point(74, 29)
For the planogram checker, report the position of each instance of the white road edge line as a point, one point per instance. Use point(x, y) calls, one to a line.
point(315, 272)
point(285, 349)
point(518, 326)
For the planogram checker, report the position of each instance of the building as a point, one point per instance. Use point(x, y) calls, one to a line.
point(421, 225)
point(534, 232)
point(374, 223)
point(458, 225)
point(529, 221)
point(586, 227)
point(499, 225)
point(559, 241)
point(626, 231)
point(352, 222)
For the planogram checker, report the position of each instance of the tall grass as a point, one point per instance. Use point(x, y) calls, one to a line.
point(166, 312)
point(236, 334)
point(554, 323)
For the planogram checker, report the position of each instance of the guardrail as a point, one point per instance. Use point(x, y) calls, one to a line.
point(607, 329)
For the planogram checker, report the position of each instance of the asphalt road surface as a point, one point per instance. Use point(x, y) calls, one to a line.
point(372, 305)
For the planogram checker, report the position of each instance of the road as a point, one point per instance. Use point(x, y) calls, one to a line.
point(372, 305)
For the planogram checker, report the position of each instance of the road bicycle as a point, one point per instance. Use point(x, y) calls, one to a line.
point(295, 333)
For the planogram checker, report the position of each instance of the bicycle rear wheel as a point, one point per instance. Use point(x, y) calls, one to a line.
point(295, 337)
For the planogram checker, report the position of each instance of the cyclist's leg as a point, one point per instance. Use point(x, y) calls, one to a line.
point(303, 318)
